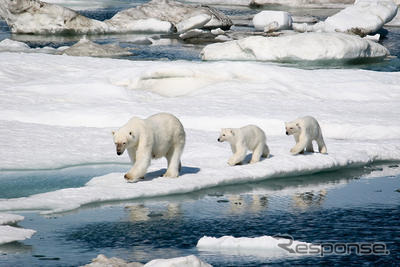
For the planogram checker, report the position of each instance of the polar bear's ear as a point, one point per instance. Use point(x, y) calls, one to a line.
point(232, 132)
point(113, 132)
point(298, 125)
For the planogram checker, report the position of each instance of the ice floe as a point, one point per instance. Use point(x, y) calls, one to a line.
point(38, 17)
point(268, 20)
point(303, 3)
point(362, 18)
point(188, 261)
point(8, 45)
point(81, 107)
point(10, 233)
point(292, 3)
point(305, 46)
point(6, 218)
point(266, 246)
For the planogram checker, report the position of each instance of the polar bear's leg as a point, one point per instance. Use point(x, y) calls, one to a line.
point(309, 147)
point(257, 153)
point(132, 154)
point(139, 169)
point(239, 156)
point(300, 146)
point(321, 145)
point(174, 161)
point(265, 151)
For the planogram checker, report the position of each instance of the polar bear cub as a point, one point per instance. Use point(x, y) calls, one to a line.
point(305, 130)
point(160, 135)
point(249, 137)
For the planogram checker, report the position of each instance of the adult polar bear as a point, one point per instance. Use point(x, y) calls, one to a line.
point(160, 135)
point(305, 130)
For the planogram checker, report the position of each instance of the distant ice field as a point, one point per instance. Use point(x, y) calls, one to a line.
point(168, 48)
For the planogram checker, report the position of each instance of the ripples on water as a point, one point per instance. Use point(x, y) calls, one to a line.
point(327, 207)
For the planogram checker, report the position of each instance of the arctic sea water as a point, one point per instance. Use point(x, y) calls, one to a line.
point(354, 201)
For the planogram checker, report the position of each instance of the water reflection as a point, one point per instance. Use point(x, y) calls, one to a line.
point(141, 213)
point(240, 204)
point(307, 200)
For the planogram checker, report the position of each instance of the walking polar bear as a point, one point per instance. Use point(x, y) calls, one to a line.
point(160, 135)
point(305, 130)
point(249, 137)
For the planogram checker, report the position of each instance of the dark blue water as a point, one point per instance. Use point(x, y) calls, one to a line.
point(332, 207)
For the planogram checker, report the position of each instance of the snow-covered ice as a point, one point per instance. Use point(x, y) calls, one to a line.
point(267, 246)
point(10, 233)
point(69, 105)
point(265, 18)
point(6, 218)
point(305, 3)
point(362, 18)
point(304, 46)
point(292, 3)
point(34, 16)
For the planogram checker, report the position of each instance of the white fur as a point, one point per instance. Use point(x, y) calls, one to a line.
point(160, 135)
point(249, 137)
point(305, 130)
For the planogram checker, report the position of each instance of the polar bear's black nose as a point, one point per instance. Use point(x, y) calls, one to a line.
point(287, 133)
point(219, 140)
point(119, 153)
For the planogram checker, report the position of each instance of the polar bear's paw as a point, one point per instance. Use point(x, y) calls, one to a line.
point(131, 179)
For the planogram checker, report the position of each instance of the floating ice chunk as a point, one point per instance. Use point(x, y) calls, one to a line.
point(126, 24)
point(264, 245)
point(362, 18)
point(197, 21)
point(10, 45)
point(374, 38)
point(103, 261)
point(188, 261)
point(175, 13)
point(305, 46)
point(6, 218)
point(217, 31)
point(193, 33)
point(34, 16)
point(223, 38)
point(266, 17)
point(86, 47)
point(10, 234)
point(303, 3)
